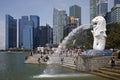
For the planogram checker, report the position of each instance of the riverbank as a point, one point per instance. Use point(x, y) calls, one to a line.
point(14, 51)
point(88, 63)
point(93, 65)
point(36, 59)
point(12, 67)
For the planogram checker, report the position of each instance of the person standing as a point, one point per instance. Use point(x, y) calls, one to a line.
point(62, 60)
point(112, 62)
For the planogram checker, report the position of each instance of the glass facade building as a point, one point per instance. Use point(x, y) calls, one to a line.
point(116, 2)
point(22, 22)
point(35, 21)
point(28, 36)
point(75, 11)
point(10, 32)
point(108, 17)
point(102, 7)
point(68, 28)
point(46, 35)
point(93, 9)
point(59, 21)
point(115, 14)
point(98, 8)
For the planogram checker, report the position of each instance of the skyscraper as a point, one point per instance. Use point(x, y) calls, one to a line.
point(116, 2)
point(46, 35)
point(98, 8)
point(102, 7)
point(22, 22)
point(108, 17)
point(115, 14)
point(11, 32)
point(75, 11)
point(28, 36)
point(93, 8)
point(35, 20)
point(59, 21)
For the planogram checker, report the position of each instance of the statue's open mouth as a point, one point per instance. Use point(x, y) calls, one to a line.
point(94, 24)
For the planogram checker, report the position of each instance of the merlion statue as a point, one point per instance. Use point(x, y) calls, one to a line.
point(99, 33)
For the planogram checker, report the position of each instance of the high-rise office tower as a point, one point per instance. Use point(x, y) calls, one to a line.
point(25, 21)
point(102, 7)
point(10, 32)
point(108, 17)
point(35, 20)
point(98, 8)
point(59, 21)
point(93, 8)
point(46, 35)
point(28, 36)
point(75, 11)
point(22, 22)
point(115, 13)
point(116, 2)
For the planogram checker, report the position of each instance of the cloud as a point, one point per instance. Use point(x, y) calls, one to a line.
point(2, 34)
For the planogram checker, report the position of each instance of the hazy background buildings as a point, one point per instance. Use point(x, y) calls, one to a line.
point(59, 21)
point(115, 12)
point(62, 18)
point(75, 12)
point(11, 32)
point(98, 8)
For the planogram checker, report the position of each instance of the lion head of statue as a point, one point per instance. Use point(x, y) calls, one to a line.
point(99, 26)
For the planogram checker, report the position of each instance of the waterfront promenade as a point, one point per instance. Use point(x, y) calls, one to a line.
point(69, 61)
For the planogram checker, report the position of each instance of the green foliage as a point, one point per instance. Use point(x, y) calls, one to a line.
point(115, 53)
point(113, 36)
point(85, 38)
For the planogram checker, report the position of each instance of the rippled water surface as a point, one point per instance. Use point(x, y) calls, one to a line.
point(12, 67)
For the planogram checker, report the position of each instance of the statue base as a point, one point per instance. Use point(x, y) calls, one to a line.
point(97, 53)
point(92, 60)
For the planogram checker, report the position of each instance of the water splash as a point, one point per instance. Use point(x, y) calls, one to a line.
point(61, 75)
point(75, 32)
point(55, 71)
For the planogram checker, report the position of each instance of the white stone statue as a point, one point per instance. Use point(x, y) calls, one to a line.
point(99, 33)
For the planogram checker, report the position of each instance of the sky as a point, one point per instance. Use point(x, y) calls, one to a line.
point(42, 8)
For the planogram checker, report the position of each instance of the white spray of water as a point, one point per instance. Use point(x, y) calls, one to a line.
point(75, 32)
point(61, 75)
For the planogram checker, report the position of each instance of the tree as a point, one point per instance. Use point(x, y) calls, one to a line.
point(113, 36)
point(85, 38)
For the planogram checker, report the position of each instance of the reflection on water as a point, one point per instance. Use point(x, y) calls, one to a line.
point(12, 67)
point(55, 71)
point(61, 75)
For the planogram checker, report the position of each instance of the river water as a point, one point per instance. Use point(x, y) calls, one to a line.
point(12, 67)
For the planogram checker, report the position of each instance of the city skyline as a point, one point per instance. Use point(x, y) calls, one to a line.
point(42, 8)
point(45, 12)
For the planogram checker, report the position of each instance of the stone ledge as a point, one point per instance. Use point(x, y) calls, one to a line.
point(90, 63)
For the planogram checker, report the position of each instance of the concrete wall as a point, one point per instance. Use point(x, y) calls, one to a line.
point(90, 63)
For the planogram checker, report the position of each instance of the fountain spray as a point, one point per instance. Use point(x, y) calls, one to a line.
point(75, 32)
